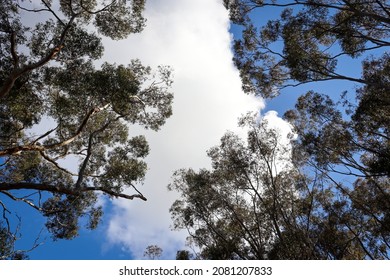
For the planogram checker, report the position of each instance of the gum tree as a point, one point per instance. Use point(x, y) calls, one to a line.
point(254, 203)
point(343, 140)
point(307, 41)
point(64, 121)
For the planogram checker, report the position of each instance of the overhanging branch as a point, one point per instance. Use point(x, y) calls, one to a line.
point(64, 190)
point(41, 148)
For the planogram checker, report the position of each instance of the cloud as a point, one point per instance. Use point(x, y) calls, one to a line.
point(283, 127)
point(193, 38)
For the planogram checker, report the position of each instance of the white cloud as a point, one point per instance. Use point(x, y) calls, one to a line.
point(193, 38)
point(285, 134)
point(280, 125)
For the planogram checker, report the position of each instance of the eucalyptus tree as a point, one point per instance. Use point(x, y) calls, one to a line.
point(351, 153)
point(320, 41)
point(255, 203)
point(64, 120)
point(307, 41)
point(153, 252)
point(333, 203)
point(343, 140)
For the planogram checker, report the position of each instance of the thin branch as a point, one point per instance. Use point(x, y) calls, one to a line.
point(98, 11)
point(116, 194)
point(386, 10)
point(21, 199)
point(53, 162)
point(17, 72)
point(35, 147)
point(43, 136)
point(346, 8)
point(64, 190)
point(5, 162)
point(55, 15)
point(32, 10)
point(136, 189)
point(5, 210)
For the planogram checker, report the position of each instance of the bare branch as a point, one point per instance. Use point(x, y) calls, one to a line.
point(50, 10)
point(28, 202)
point(43, 136)
point(117, 194)
point(384, 8)
point(5, 210)
point(53, 162)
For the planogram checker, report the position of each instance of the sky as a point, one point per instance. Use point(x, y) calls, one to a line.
point(193, 38)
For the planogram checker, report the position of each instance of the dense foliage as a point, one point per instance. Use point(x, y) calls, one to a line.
point(334, 202)
point(308, 40)
point(342, 139)
point(57, 105)
point(255, 204)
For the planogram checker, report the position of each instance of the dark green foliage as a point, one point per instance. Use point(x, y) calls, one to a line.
point(239, 208)
point(56, 105)
point(7, 244)
point(343, 143)
point(6, 239)
point(153, 252)
point(354, 150)
point(183, 255)
point(256, 204)
point(309, 42)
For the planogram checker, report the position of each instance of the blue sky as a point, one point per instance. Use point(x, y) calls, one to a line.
point(193, 37)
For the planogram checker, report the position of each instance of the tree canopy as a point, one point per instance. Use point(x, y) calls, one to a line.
point(60, 103)
point(333, 201)
point(256, 202)
point(310, 41)
point(236, 209)
point(153, 252)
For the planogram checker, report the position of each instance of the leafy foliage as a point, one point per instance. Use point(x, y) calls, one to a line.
point(332, 202)
point(356, 151)
point(57, 105)
point(7, 244)
point(256, 203)
point(342, 143)
point(307, 42)
point(183, 255)
point(153, 252)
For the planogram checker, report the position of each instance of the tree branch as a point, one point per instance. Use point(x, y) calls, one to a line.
point(348, 7)
point(21, 199)
point(5, 210)
point(18, 72)
point(64, 190)
point(43, 135)
point(35, 147)
point(98, 11)
point(46, 157)
point(50, 10)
